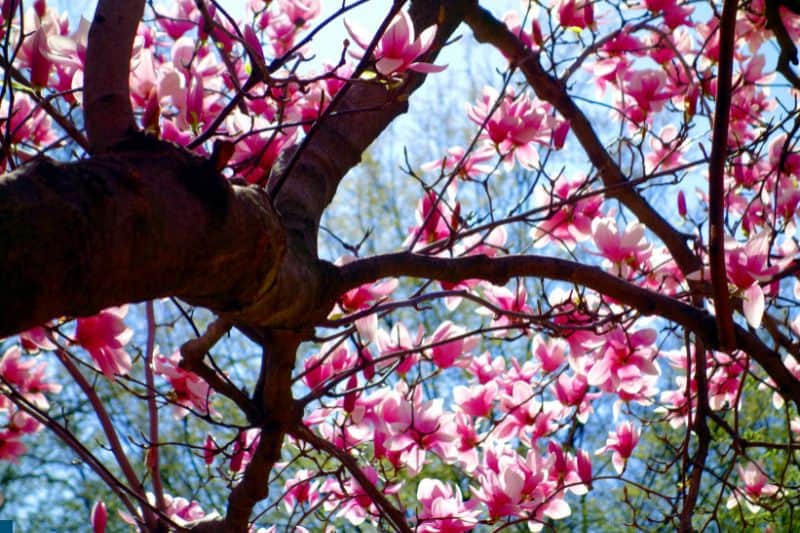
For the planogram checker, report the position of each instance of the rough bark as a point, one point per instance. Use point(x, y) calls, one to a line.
point(106, 100)
point(144, 222)
point(147, 219)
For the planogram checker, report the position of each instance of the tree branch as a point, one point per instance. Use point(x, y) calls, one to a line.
point(153, 451)
point(392, 513)
point(716, 179)
point(487, 29)
point(277, 406)
point(106, 92)
point(499, 270)
point(311, 177)
point(147, 222)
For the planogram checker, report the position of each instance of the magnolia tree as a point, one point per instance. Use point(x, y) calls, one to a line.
point(592, 309)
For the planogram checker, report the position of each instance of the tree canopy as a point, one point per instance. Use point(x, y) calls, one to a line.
point(426, 265)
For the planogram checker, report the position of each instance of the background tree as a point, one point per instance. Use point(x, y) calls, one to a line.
point(583, 289)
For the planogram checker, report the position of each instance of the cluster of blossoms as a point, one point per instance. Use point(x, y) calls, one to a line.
point(25, 377)
point(474, 429)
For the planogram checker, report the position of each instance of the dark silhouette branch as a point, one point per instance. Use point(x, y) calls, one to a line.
point(277, 407)
point(716, 179)
point(500, 270)
point(788, 50)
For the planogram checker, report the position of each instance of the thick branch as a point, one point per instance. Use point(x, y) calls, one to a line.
point(106, 91)
point(140, 224)
point(488, 29)
point(355, 120)
point(500, 270)
point(716, 178)
point(277, 406)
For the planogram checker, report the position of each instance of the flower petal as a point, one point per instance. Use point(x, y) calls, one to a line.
point(753, 305)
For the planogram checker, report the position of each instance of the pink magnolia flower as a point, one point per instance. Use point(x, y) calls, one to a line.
point(550, 352)
point(627, 250)
point(36, 339)
point(179, 17)
point(476, 400)
point(444, 353)
point(464, 449)
point(189, 391)
point(621, 442)
point(584, 464)
point(512, 485)
point(571, 221)
point(572, 390)
point(568, 472)
point(443, 509)
point(332, 359)
point(21, 422)
point(397, 50)
point(366, 295)
point(281, 32)
point(181, 510)
point(104, 336)
point(747, 265)
point(243, 449)
point(99, 517)
point(528, 418)
point(26, 123)
point(681, 202)
point(11, 448)
point(468, 165)
point(503, 299)
point(320, 93)
point(36, 386)
point(37, 52)
point(624, 360)
point(577, 14)
point(191, 84)
point(674, 403)
point(674, 15)
point(300, 12)
point(13, 369)
point(793, 367)
point(666, 150)
point(345, 434)
point(435, 219)
point(210, 450)
point(300, 490)
point(514, 125)
point(258, 145)
point(399, 342)
point(756, 488)
point(485, 368)
point(178, 509)
point(725, 373)
point(490, 245)
point(416, 426)
point(650, 92)
point(352, 500)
